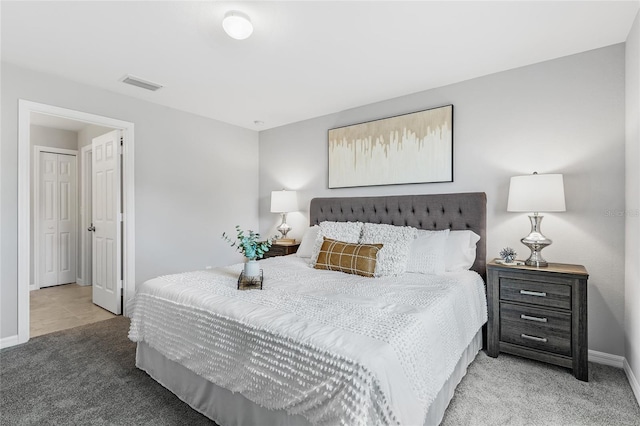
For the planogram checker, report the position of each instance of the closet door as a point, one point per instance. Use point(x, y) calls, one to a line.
point(67, 211)
point(48, 216)
point(57, 215)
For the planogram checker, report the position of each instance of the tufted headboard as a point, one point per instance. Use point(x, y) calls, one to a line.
point(431, 212)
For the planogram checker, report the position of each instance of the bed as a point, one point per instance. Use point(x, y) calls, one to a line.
point(321, 347)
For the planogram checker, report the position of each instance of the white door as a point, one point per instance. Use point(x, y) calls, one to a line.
point(57, 219)
point(107, 224)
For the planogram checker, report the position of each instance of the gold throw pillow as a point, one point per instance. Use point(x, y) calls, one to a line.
point(358, 259)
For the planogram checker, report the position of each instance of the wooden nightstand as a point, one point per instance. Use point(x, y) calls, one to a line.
point(539, 313)
point(281, 250)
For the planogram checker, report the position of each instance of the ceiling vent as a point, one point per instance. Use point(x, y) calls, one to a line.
point(144, 84)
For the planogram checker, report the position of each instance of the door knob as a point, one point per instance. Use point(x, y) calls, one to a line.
point(91, 228)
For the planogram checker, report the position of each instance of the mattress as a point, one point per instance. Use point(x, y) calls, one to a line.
point(325, 346)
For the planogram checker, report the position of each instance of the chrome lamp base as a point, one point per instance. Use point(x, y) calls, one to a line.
point(284, 228)
point(536, 242)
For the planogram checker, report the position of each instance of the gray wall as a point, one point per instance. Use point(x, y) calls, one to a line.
point(194, 178)
point(53, 138)
point(561, 116)
point(632, 255)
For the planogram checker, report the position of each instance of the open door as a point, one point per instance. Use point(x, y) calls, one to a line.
point(107, 222)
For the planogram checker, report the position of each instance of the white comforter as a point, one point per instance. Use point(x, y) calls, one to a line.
point(333, 347)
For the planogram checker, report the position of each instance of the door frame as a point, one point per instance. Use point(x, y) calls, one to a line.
point(85, 220)
point(37, 149)
point(25, 108)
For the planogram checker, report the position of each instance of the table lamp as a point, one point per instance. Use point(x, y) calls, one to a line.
point(536, 193)
point(284, 202)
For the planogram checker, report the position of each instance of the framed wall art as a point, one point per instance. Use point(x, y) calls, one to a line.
point(409, 148)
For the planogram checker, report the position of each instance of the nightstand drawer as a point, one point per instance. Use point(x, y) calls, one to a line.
point(536, 293)
point(281, 250)
point(542, 329)
point(277, 250)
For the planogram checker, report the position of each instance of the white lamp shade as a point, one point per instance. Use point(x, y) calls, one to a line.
point(536, 193)
point(284, 201)
point(237, 25)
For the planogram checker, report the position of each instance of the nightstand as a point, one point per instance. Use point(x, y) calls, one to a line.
point(282, 250)
point(539, 313)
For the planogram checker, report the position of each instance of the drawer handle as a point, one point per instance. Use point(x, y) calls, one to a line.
point(534, 338)
point(530, 318)
point(533, 293)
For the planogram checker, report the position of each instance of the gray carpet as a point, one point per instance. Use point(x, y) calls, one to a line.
point(87, 376)
point(510, 390)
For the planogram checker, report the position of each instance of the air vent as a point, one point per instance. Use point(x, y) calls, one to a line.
point(144, 84)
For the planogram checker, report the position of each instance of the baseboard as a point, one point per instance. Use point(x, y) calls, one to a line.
point(618, 362)
point(635, 386)
point(606, 359)
point(33, 287)
point(6, 342)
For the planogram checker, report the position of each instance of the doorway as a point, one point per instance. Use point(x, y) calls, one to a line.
point(126, 272)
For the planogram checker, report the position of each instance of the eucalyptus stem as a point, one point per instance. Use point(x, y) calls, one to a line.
point(248, 243)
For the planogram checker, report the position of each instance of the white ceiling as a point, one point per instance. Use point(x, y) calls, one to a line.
point(305, 59)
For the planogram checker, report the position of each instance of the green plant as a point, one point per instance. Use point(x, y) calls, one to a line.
point(249, 243)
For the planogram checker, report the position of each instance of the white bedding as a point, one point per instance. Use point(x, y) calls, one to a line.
point(332, 347)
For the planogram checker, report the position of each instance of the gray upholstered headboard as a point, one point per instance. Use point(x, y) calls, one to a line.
point(432, 212)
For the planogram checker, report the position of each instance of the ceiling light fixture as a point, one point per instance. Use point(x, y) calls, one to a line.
point(237, 25)
point(139, 82)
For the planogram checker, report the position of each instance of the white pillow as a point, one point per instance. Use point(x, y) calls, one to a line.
point(308, 240)
point(427, 252)
point(460, 250)
point(396, 241)
point(348, 232)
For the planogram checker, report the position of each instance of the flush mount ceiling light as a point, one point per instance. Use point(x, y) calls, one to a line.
point(237, 25)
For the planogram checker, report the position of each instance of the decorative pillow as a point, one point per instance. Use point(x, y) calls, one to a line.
point(349, 232)
point(460, 250)
point(308, 240)
point(357, 259)
point(392, 259)
point(427, 252)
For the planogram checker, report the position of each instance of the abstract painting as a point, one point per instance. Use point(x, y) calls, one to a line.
point(409, 148)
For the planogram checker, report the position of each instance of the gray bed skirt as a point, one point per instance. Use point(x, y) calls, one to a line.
point(232, 409)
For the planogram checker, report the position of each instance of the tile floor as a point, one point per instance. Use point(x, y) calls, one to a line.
point(62, 307)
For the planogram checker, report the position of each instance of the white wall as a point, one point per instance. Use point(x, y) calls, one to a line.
point(632, 255)
point(194, 178)
point(561, 116)
point(53, 138)
point(87, 133)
